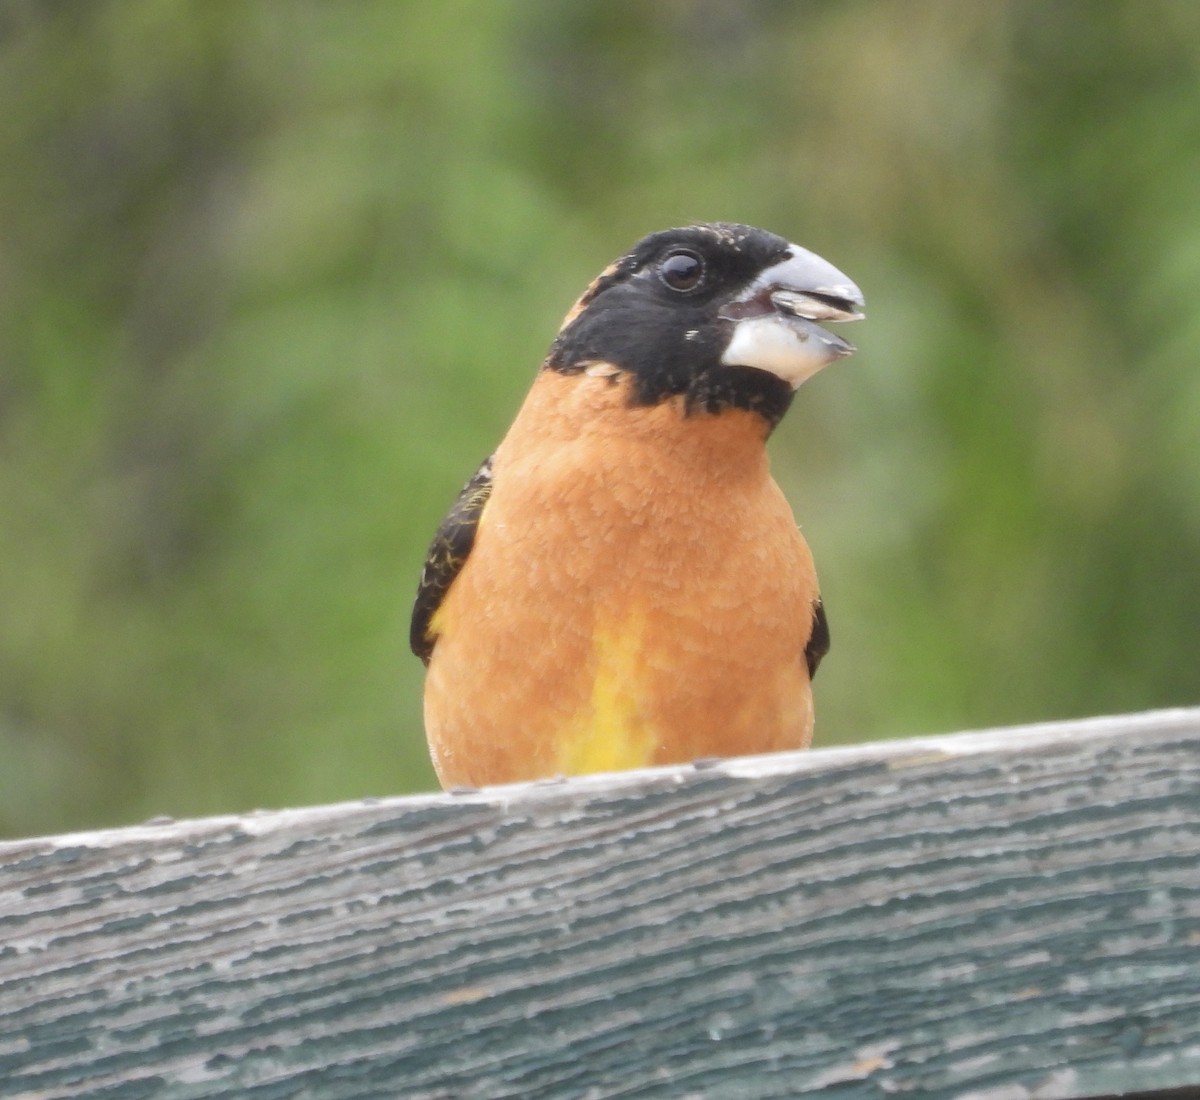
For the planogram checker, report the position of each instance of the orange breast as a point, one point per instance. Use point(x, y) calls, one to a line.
point(637, 594)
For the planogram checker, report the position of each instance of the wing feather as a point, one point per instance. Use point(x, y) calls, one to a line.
point(818, 639)
point(447, 554)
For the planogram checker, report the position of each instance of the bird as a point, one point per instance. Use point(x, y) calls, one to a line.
point(622, 583)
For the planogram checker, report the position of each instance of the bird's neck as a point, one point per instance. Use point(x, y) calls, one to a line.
point(594, 413)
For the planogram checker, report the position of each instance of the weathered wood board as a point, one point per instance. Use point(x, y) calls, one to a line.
point(988, 916)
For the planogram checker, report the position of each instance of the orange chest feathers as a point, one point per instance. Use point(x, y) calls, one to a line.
point(638, 593)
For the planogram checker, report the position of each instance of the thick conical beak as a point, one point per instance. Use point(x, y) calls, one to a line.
point(774, 320)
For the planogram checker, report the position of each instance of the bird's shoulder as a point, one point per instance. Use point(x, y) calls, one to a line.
point(447, 554)
point(818, 639)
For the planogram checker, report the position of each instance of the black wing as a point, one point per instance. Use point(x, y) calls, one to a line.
point(818, 640)
point(449, 550)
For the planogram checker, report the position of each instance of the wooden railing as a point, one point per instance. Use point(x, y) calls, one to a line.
point(1000, 915)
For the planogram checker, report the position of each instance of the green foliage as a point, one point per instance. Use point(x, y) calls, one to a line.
point(273, 279)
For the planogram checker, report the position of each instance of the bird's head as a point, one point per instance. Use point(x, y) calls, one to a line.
point(723, 315)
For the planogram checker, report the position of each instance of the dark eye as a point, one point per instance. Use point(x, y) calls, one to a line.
point(682, 270)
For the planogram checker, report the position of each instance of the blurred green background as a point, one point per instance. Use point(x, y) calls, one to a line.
point(275, 276)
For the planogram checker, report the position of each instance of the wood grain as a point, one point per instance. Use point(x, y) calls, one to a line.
point(994, 916)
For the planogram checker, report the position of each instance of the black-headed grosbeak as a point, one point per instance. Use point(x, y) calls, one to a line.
point(622, 583)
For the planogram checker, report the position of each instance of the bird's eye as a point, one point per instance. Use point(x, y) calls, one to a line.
point(682, 270)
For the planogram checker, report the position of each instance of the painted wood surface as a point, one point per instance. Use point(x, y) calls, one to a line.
point(993, 916)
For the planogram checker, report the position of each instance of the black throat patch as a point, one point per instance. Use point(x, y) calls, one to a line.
point(757, 391)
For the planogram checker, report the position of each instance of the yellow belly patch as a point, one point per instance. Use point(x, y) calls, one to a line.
point(612, 732)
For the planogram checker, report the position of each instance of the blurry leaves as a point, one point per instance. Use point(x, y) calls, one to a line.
point(274, 278)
